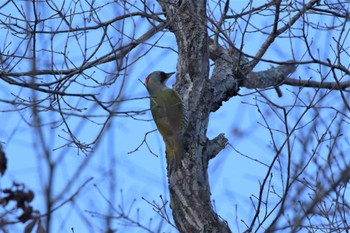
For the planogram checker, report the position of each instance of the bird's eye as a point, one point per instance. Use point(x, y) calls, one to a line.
point(163, 75)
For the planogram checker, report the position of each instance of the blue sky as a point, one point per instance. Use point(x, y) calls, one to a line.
point(132, 177)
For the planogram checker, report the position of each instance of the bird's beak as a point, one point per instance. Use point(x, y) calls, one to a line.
point(168, 75)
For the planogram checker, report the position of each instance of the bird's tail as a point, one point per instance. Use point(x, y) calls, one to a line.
point(174, 150)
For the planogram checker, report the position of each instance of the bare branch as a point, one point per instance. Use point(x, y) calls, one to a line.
point(269, 78)
point(316, 84)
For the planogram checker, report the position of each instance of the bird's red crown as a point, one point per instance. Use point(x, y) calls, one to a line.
point(147, 79)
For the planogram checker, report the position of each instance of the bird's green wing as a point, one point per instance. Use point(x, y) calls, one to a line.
point(167, 111)
point(168, 114)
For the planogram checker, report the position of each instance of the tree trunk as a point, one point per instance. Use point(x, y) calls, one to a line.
point(188, 184)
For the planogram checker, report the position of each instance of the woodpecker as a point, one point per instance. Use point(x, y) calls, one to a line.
point(168, 113)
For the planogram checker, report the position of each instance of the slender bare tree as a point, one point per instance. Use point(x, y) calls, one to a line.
point(70, 75)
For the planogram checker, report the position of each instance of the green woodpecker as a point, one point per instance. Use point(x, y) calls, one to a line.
point(168, 113)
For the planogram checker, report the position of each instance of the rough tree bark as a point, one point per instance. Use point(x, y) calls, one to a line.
point(188, 184)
